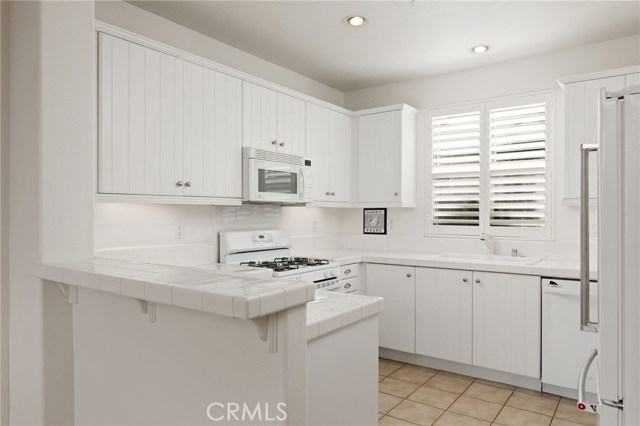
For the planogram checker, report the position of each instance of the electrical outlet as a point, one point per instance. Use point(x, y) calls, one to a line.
point(180, 232)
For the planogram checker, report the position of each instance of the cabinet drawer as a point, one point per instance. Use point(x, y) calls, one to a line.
point(349, 271)
point(351, 285)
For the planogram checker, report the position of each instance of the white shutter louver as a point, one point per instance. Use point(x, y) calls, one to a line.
point(517, 156)
point(455, 163)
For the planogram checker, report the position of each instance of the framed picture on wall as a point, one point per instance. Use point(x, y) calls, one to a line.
point(375, 221)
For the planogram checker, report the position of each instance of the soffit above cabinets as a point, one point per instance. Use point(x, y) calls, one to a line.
point(402, 39)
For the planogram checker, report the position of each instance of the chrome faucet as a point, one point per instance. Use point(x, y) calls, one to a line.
point(488, 239)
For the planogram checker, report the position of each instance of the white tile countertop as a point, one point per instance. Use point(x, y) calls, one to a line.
point(226, 290)
point(543, 267)
point(330, 311)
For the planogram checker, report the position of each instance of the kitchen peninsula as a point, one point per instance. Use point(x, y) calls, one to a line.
point(159, 344)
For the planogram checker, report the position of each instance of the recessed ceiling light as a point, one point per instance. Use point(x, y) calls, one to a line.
point(355, 20)
point(481, 48)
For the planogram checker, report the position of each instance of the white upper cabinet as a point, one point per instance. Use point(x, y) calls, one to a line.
point(167, 127)
point(386, 162)
point(582, 95)
point(329, 148)
point(272, 121)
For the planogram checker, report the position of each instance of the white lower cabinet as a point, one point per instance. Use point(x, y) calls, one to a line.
point(444, 300)
point(485, 319)
point(397, 285)
point(506, 323)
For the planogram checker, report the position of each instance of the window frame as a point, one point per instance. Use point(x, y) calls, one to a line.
point(485, 106)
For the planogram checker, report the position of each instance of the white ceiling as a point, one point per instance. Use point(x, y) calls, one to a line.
point(402, 40)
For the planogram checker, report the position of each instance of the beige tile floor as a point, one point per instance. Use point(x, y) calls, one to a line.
point(414, 395)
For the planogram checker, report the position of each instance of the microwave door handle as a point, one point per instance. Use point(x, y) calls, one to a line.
point(585, 324)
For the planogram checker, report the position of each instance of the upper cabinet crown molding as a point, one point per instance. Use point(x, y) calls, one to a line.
point(598, 75)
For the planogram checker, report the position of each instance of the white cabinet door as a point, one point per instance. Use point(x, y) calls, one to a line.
point(581, 103)
point(328, 145)
point(506, 323)
point(379, 157)
point(317, 141)
point(396, 284)
point(259, 112)
point(340, 157)
point(632, 79)
point(212, 141)
point(272, 121)
point(290, 127)
point(444, 299)
point(386, 149)
point(140, 119)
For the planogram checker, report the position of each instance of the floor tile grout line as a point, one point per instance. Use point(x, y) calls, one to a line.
point(474, 380)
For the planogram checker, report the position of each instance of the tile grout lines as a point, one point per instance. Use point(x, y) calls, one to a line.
point(512, 391)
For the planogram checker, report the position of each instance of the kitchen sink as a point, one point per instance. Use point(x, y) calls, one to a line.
point(492, 258)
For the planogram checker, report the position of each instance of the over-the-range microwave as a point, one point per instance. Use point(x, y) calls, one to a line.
point(274, 177)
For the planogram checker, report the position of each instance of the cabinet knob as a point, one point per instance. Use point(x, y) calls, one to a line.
point(464, 280)
point(347, 285)
point(179, 183)
point(395, 194)
point(333, 193)
point(274, 142)
point(477, 280)
point(327, 193)
point(281, 144)
point(408, 274)
point(347, 271)
point(187, 184)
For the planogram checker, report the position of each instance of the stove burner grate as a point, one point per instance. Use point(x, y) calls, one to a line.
point(280, 264)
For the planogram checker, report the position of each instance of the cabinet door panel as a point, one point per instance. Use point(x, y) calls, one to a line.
point(317, 142)
point(140, 116)
point(212, 151)
point(444, 314)
point(340, 157)
point(396, 284)
point(506, 323)
point(632, 79)
point(258, 116)
point(291, 125)
point(379, 153)
point(582, 99)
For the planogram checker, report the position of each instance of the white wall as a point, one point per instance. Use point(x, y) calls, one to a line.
point(147, 24)
point(50, 202)
point(149, 232)
point(520, 76)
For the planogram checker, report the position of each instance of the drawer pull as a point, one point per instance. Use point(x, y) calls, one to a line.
point(347, 285)
point(347, 271)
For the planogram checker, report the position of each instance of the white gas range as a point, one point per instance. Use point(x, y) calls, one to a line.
point(272, 249)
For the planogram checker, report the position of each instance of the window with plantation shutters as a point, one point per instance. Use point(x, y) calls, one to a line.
point(455, 168)
point(517, 156)
point(488, 167)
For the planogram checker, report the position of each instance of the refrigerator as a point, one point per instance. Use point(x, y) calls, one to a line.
point(617, 356)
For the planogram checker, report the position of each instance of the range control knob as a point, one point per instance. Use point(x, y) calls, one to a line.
point(327, 274)
point(333, 273)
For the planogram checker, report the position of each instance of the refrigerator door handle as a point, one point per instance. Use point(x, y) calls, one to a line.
point(582, 403)
point(585, 324)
